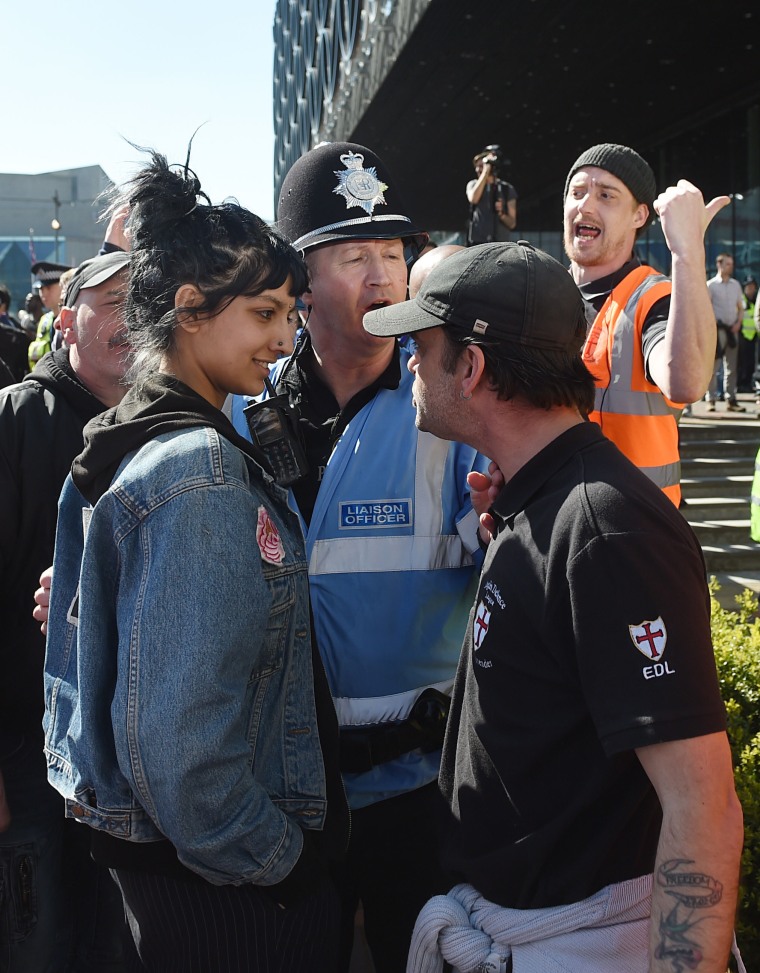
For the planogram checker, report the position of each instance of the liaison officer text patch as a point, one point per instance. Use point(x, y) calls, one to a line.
point(375, 513)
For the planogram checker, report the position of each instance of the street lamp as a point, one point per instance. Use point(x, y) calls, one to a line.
point(56, 226)
point(734, 197)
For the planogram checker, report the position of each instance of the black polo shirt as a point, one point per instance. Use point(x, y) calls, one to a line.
point(589, 637)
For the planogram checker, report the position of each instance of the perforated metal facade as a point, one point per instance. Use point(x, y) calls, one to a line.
point(330, 58)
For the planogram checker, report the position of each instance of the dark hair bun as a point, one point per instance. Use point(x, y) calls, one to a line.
point(179, 237)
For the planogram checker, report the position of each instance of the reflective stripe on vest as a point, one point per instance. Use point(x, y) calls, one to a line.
point(425, 549)
point(382, 709)
point(628, 403)
point(663, 476)
point(630, 410)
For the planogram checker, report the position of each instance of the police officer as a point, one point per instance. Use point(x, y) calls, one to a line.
point(748, 337)
point(390, 535)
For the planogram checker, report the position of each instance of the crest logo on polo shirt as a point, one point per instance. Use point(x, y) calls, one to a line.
point(490, 602)
point(650, 638)
point(480, 625)
point(359, 186)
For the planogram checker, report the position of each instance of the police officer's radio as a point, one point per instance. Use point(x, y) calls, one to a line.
point(274, 429)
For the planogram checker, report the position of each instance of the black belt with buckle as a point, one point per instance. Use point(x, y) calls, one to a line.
point(362, 748)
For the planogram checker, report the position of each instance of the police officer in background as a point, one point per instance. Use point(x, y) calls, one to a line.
point(747, 338)
point(493, 201)
point(48, 278)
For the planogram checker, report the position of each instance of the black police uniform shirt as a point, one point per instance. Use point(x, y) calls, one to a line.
point(321, 420)
point(589, 636)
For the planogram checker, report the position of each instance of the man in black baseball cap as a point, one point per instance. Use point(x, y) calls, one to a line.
point(477, 309)
point(586, 766)
point(651, 344)
point(510, 291)
point(391, 535)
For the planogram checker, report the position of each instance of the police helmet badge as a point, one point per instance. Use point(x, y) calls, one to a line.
point(359, 186)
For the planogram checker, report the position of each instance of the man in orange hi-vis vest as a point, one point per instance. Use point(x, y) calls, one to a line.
point(651, 340)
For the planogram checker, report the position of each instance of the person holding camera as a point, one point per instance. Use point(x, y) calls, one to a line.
point(493, 201)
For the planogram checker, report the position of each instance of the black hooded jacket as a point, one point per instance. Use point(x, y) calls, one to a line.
point(157, 405)
point(41, 423)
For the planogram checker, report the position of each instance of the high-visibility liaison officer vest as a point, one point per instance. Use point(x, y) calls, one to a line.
point(630, 409)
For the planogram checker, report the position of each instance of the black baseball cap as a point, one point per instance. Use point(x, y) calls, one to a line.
point(94, 272)
point(509, 292)
point(342, 191)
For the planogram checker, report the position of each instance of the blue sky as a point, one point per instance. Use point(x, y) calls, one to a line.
point(81, 77)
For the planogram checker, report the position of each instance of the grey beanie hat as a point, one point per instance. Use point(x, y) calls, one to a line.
point(626, 164)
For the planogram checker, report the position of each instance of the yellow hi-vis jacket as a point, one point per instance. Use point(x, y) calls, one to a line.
point(630, 409)
point(749, 328)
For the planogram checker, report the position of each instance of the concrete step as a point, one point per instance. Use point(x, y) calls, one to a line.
point(692, 430)
point(715, 508)
point(718, 451)
point(717, 464)
point(744, 449)
point(722, 532)
point(717, 485)
point(737, 558)
point(736, 485)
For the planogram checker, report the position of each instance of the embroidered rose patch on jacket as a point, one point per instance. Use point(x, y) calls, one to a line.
point(268, 539)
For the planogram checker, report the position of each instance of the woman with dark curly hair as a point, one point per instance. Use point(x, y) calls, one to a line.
point(188, 720)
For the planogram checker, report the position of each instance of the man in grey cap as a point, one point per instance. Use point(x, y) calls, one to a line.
point(57, 903)
point(390, 535)
point(651, 341)
point(586, 765)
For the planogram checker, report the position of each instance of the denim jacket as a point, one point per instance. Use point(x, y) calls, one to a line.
point(178, 677)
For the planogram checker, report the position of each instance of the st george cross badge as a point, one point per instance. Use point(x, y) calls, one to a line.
point(650, 638)
point(480, 625)
point(359, 186)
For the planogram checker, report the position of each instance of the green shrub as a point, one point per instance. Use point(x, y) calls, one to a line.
point(736, 638)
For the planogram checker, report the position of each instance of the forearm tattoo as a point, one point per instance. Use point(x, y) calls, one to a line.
point(679, 929)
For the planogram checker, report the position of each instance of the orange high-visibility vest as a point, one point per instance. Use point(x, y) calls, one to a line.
point(630, 409)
